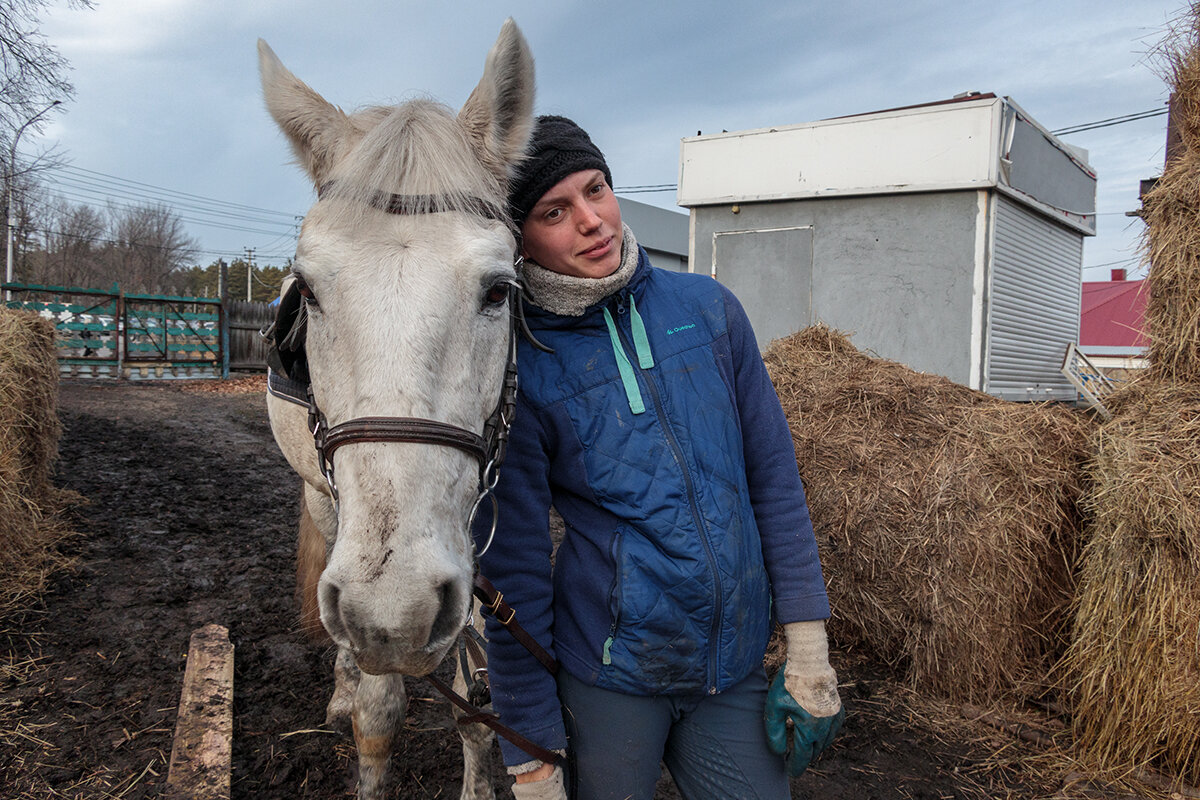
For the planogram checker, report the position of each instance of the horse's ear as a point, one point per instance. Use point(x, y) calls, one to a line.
point(498, 116)
point(316, 128)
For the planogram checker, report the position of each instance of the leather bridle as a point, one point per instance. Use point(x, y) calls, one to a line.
point(487, 448)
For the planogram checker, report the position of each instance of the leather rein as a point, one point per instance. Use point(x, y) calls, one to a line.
point(488, 448)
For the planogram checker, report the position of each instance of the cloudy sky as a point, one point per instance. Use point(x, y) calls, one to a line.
point(168, 108)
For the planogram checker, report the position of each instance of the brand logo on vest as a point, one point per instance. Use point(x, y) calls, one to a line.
point(687, 327)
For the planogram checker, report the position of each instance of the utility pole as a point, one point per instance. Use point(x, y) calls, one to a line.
point(249, 271)
point(12, 211)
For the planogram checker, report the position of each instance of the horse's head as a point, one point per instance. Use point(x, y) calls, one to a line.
point(407, 316)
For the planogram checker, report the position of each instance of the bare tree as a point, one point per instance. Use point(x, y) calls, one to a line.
point(33, 73)
point(144, 249)
point(148, 243)
point(33, 80)
point(75, 245)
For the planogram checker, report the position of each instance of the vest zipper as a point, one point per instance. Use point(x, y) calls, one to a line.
point(614, 599)
point(693, 503)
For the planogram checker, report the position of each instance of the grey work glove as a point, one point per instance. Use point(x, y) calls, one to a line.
point(547, 789)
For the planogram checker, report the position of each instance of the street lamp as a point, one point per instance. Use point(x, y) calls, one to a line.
point(12, 214)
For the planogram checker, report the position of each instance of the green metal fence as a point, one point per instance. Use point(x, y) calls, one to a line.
point(109, 334)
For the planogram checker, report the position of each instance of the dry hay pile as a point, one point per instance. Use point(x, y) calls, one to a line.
point(1134, 659)
point(1172, 242)
point(29, 431)
point(1171, 210)
point(1133, 666)
point(946, 518)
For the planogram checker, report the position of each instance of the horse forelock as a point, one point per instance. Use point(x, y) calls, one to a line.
point(417, 148)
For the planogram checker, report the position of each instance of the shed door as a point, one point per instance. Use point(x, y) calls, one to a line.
point(770, 271)
point(1036, 282)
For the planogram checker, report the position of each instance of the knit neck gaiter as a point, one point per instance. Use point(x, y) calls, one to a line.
point(571, 296)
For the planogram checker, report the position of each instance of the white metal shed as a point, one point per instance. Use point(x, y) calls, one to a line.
point(948, 236)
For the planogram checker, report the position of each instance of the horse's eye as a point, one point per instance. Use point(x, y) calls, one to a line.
point(497, 293)
point(305, 291)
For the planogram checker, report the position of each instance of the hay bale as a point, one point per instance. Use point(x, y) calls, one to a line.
point(946, 518)
point(29, 431)
point(1132, 671)
point(1171, 240)
point(28, 401)
point(1179, 62)
point(1172, 243)
point(1133, 666)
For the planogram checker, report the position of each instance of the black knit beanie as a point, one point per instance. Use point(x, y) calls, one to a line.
point(557, 148)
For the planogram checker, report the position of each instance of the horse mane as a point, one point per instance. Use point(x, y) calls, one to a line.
point(415, 148)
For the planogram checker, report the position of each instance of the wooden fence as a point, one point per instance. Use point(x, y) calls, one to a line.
point(247, 350)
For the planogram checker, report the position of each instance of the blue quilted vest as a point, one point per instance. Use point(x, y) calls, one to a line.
point(659, 583)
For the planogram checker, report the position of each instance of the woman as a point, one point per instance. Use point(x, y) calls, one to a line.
point(654, 430)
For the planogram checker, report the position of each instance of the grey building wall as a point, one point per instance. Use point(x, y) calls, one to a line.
point(664, 233)
point(895, 271)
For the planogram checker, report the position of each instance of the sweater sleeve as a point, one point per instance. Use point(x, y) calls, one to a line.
point(776, 493)
point(517, 563)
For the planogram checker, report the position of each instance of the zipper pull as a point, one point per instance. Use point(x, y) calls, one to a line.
point(621, 308)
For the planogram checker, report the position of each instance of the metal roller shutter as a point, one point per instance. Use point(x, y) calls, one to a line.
point(1034, 309)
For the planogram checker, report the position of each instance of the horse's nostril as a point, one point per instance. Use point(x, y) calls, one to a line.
point(450, 614)
point(328, 596)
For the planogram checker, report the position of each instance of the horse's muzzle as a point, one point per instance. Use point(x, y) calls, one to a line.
point(408, 638)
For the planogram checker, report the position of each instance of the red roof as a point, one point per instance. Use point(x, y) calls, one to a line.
point(1111, 314)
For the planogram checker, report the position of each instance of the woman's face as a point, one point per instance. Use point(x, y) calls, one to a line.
point(575, 229)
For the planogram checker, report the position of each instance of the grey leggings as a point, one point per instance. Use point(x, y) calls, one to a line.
point(714, 745)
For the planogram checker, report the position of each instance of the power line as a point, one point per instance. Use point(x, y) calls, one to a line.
point(1105, 123)
point(105, 191)
point(109, 201)
point(202, 198)
point(101, 240)
point(1129, 260)
point(133, 206)
point(91, 193)
point(662, 187)
point(101, 191)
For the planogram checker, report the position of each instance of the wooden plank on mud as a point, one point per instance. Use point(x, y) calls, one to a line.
point(200, 756)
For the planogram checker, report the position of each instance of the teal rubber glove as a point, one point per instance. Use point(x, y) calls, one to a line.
point(810, 735)
point(804, 692)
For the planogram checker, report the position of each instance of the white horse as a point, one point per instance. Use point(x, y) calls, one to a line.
point(404, 265)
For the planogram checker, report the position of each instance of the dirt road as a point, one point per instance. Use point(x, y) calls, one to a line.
point(191, 521)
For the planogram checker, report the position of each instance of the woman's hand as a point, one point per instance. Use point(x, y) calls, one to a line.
point(543, 783)
point(804, 694)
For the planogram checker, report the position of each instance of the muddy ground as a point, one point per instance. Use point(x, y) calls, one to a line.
point(191, 521)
